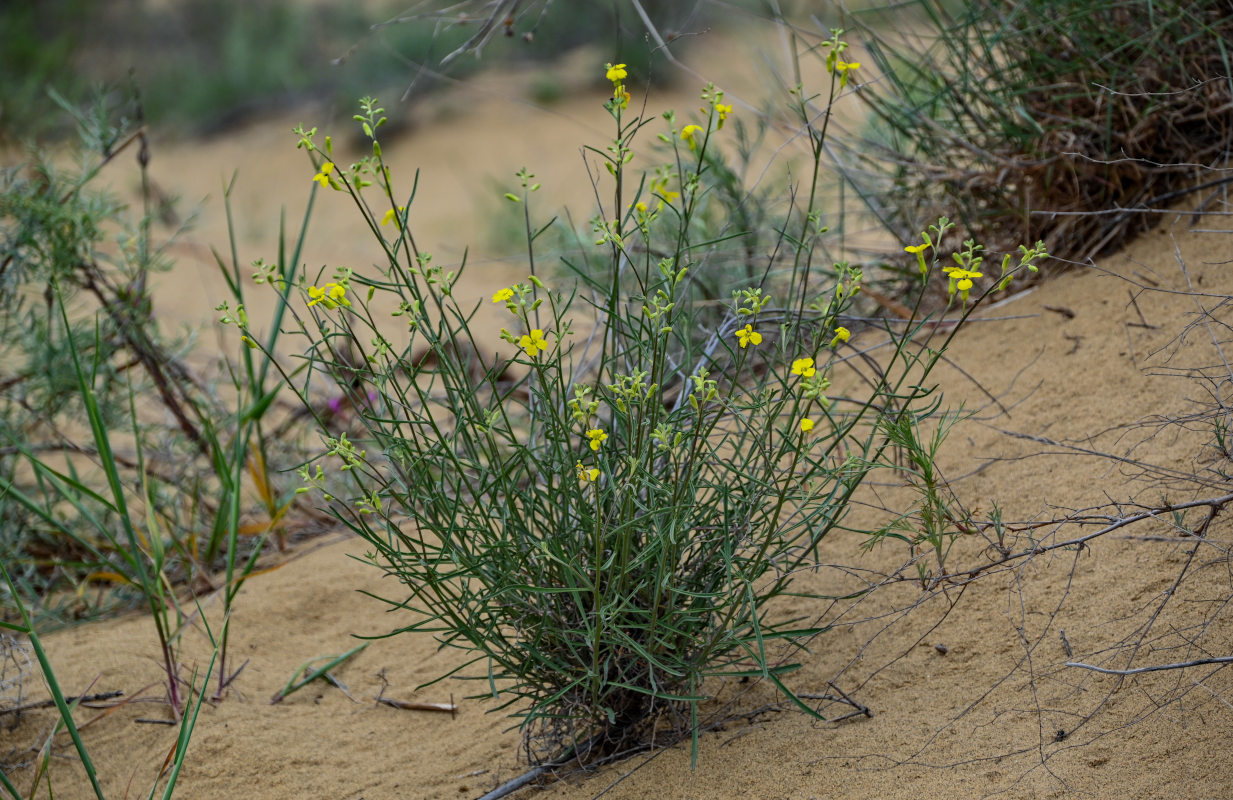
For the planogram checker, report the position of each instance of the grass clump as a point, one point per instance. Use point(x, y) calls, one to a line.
point(1072, 122)
point(65, 706)
point(602, 505)
point(121, 471)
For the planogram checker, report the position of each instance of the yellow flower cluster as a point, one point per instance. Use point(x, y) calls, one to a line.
point(332, 295)
point(617, 74)
point(514, 297)
point(717, 109)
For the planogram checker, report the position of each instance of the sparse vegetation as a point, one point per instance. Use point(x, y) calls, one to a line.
point(626, 504)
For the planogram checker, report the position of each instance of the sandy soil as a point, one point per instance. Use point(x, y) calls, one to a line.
point(969, 693)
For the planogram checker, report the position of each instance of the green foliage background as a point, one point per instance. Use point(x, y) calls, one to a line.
point(206, 65)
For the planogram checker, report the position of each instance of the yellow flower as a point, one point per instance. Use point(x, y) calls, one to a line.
point(803, 367)
point(621, 97)
point(659, 185)
point(597, 437)
point(747, 336)
point(806, 425)
point(616, 73)
point(534, 344)
point(842, 334)
point(843, 68)
point(688, 133)
point(723, 111)
point(589, 475)
point(331, 295)
point(323, 177)
point(919, 250)
point(393, 216)
point(961, 279)
point(502, 295)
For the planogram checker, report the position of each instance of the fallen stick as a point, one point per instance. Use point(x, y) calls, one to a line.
point(447, 708)
point(1180, 665)
point(85, 698)
point(509, 787)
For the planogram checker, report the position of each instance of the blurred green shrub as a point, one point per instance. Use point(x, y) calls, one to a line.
point(211, 64)
point(35, 48)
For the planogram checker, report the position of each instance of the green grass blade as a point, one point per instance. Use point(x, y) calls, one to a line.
point(296, 683)
point(49, 675)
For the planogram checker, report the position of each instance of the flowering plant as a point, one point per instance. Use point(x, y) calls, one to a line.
point(602, 510)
